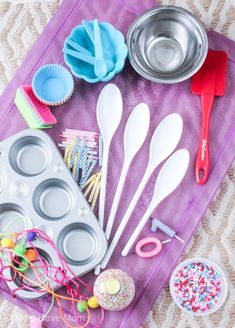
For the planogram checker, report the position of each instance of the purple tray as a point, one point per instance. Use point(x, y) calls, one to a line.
point(186, 206)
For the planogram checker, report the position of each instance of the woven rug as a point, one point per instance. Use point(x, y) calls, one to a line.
point(21, 22)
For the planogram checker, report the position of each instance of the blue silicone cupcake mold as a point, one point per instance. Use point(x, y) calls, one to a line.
point(53, 84)
point(114, 48)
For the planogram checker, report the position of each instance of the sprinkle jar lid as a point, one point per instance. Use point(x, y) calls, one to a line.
point(198, 286)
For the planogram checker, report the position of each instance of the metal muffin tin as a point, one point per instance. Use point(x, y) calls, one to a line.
point(35, 182)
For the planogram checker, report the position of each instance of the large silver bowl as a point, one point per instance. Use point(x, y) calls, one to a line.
point(167, 44)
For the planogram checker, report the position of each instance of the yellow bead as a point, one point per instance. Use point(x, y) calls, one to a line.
point(7, 243)
point(92, 303)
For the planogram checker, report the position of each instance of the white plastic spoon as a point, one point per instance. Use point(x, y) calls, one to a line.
point(135, 133)
point(164, 141)
point(108, 113)
point(169, 177)
point(137, 121)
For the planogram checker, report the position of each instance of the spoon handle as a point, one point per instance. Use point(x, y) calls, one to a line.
point(97, 270)
point(88, 29)
point(137, 231)
point(116, 201)
point(125, 220)
point(77, 47)
point(86, 58)
point(97, 40)
point(103, 185)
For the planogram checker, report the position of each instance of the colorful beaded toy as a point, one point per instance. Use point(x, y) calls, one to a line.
point(18, 253)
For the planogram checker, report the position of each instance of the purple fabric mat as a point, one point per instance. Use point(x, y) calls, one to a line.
point(185, 207)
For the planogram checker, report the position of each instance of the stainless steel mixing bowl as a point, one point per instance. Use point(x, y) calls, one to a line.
point(167, 44)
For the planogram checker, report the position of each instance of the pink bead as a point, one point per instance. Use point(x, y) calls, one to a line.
point(35, 323)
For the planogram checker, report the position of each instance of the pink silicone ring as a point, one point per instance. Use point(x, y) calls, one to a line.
point(148, 241)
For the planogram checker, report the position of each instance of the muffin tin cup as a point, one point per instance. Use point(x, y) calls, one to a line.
point(38, 275)
point(29, 156)
point(11, 218)
point(38, 185)
point(14, 281)
point(78, 243)
point(53, 199)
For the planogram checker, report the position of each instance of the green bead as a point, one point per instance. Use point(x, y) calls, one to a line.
point(24, 266)
point(82, 306)
point(19, 249)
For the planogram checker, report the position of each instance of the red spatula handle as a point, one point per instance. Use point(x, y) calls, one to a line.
point(203, 155)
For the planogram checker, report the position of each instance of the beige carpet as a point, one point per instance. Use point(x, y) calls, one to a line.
point(21, 22)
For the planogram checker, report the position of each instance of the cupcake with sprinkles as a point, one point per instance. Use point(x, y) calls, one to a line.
point(114, 289)
point(198, 286)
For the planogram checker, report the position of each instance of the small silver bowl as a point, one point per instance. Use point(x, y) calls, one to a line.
point(167, 44)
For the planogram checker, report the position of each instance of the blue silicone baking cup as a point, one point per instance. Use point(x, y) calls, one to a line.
point(53, 84)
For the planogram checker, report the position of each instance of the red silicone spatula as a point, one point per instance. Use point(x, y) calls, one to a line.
point(208, 82)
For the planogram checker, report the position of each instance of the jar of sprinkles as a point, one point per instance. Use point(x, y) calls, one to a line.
point(198, 286)
point(114, 289)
